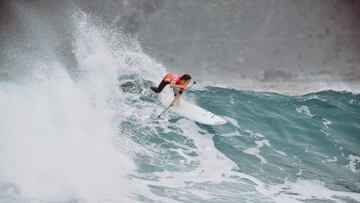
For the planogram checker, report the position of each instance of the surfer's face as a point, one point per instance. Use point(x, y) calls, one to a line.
point(184, 81)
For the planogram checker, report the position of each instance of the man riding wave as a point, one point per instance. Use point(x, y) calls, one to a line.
point(176, 82)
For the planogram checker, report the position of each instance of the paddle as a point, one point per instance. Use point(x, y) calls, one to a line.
point(163, 111)
point(193, 84)
point(170, 106)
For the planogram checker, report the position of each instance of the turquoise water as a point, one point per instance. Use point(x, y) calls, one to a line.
point(90, 133)
point(296, 144)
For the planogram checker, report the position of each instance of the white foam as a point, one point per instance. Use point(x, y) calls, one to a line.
point(306, 190)
point(323, 131)
point(256, 150)
point(232, 121)
point(254, 135)
point(334, 159)
point(280, 152)
point(326, 122)
point(354, 163)
point(212, 162)
point(304, 110)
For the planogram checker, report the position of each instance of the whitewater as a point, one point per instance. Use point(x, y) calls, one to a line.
point(90, 134)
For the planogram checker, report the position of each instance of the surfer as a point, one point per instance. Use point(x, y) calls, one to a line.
point(176, 82)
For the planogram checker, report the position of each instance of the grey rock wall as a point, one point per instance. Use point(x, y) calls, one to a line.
point(229, 40)
point(258, 39)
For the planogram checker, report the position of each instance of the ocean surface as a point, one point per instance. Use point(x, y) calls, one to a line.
point(90, 133)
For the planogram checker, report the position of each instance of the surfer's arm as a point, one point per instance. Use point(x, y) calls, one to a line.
point(174, 85)
point(176, 98)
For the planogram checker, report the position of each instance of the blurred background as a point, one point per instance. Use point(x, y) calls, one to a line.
point(288, 46)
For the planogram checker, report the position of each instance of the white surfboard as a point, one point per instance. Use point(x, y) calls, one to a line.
point(189, 110)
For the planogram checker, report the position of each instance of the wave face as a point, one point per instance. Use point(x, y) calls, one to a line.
point(89, 133)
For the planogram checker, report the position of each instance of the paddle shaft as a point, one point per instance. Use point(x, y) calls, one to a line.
point(163, 112)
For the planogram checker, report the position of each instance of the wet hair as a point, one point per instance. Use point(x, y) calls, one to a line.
point(185, 77)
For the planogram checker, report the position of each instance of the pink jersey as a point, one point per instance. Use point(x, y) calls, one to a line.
point(173, 78)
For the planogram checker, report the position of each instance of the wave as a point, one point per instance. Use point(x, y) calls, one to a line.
point(89, 133)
